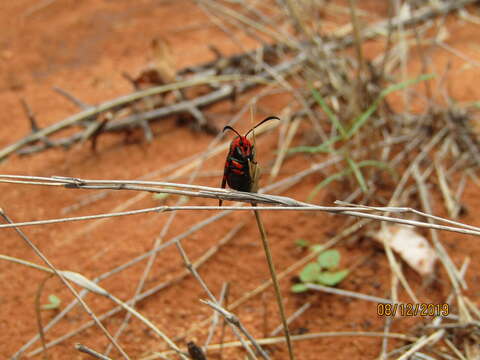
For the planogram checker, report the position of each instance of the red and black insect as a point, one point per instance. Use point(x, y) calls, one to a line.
point(239, 159)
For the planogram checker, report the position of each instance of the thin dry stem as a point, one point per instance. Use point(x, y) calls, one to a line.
point(292, 317)
point(276, 286)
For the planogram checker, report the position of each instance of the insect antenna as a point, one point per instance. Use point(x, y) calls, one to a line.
point(261, 122)
point(231, 128)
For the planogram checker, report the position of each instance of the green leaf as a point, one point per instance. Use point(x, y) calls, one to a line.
point(298, 288)
point(310, 272)
point(54, 303)
point(301, 243)
point(331, 116)
point(329, 259)
point(331, 278)
point(358, 174)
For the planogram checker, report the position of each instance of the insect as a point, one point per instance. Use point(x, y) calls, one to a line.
point(241, 172)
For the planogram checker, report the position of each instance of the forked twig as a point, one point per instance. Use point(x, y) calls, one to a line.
point(223, 297)
point(235, 321)
point(204, 286)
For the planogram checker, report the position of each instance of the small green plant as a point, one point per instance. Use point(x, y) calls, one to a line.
point(302, 243)
point(54, 303)
point(323, 271)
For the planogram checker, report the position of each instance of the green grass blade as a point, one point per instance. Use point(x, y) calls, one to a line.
point(337, 176)
point(380, 165)
point(358, 174)
point(327, 181)
point(326, 147)
point(331, 116)
point(362, 118)
point(405, 84)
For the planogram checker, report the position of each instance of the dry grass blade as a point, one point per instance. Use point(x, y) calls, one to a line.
point(292, 130)
point(247, 21)
point(91, 352)
point(211, 331)
point(444, 188)
point(422, 342)
point(38, 313)
point(291, 318)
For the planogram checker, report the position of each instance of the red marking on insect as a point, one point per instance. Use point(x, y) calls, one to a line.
point(237, 171)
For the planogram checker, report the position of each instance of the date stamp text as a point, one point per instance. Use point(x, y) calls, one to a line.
point(407, 309)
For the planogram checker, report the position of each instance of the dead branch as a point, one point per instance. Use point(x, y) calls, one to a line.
point(221, 69)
